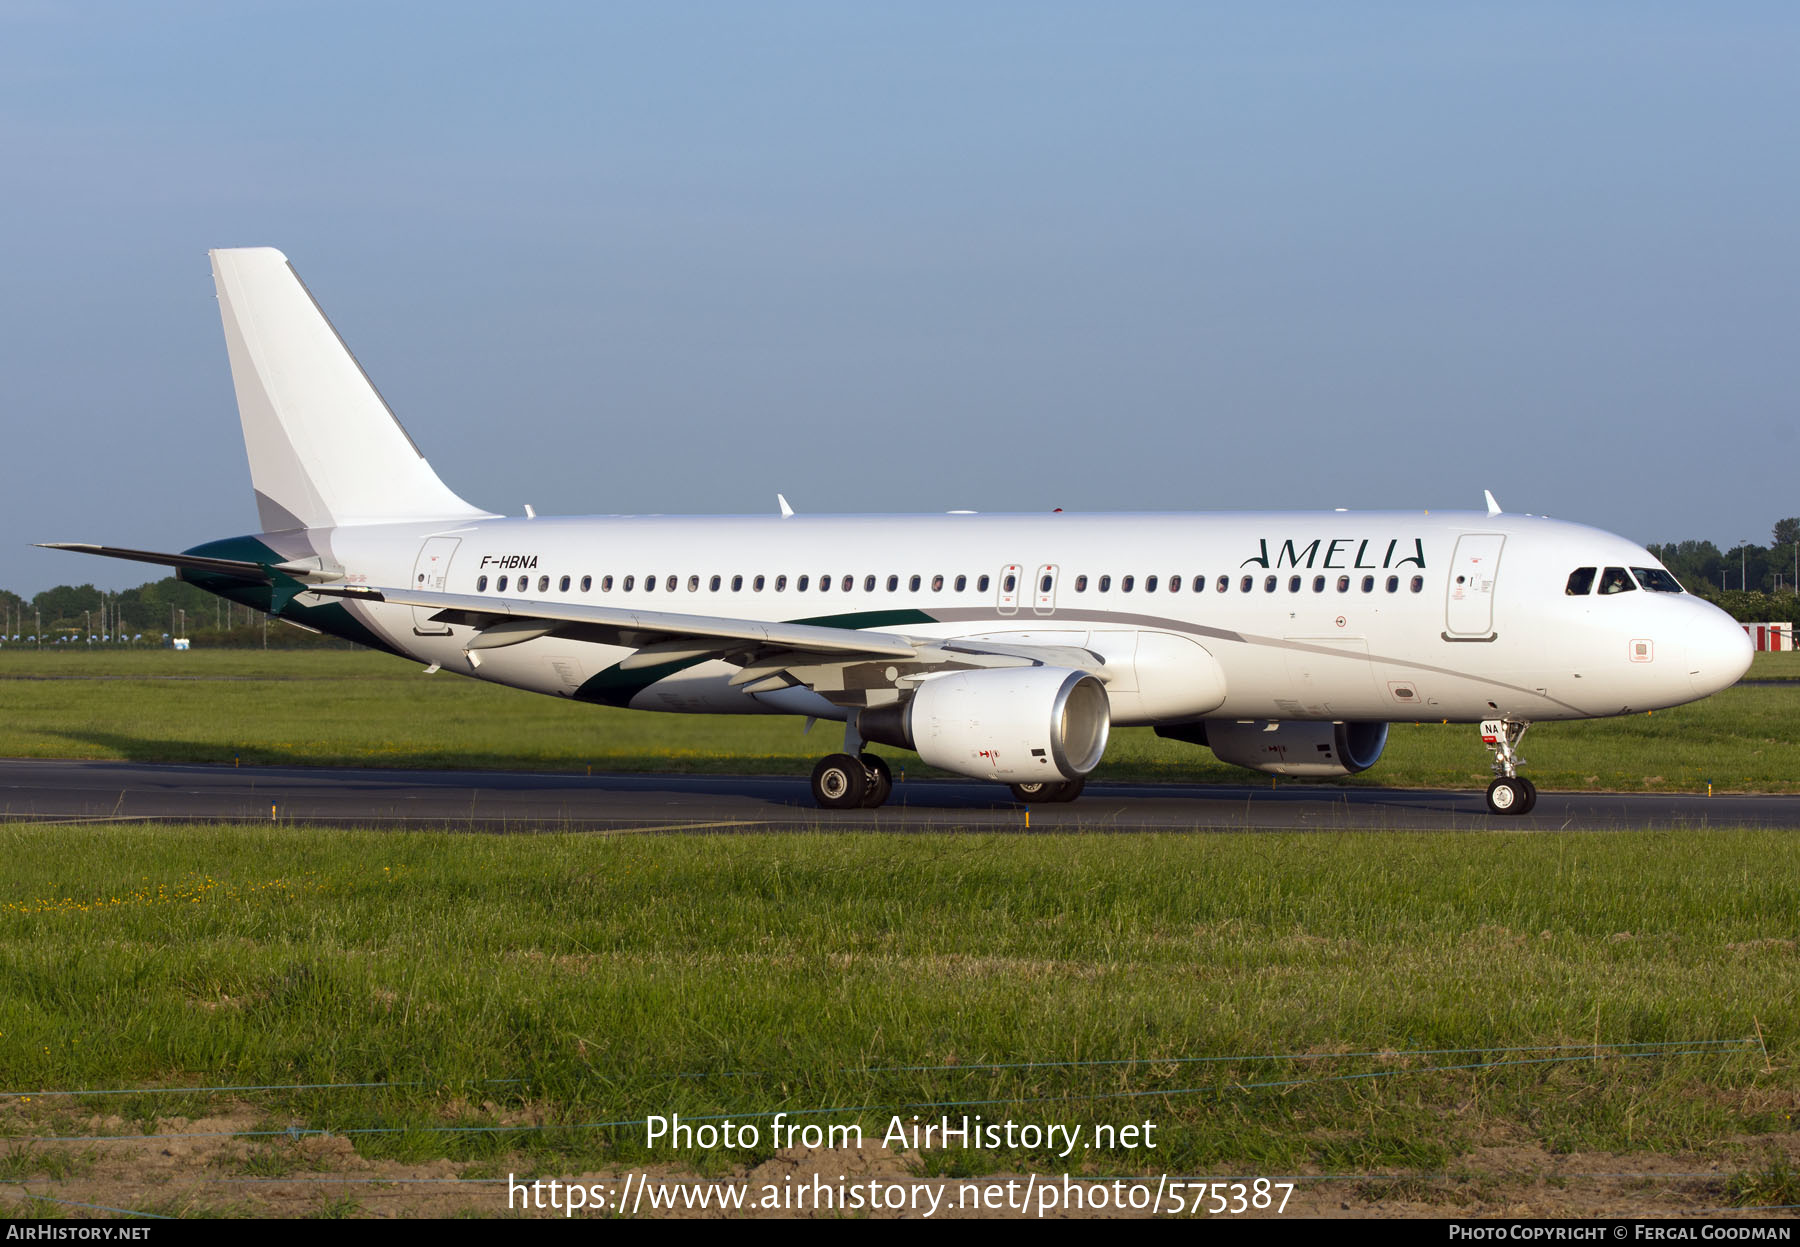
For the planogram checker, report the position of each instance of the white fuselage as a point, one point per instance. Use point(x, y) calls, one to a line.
point(1396, 615)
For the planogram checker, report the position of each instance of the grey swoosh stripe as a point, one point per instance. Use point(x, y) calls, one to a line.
point(988, 614)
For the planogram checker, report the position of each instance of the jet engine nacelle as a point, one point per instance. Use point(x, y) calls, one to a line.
point(1288, 746)
point(1016, 724)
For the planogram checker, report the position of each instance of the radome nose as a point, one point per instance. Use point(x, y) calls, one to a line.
point(1719, 652)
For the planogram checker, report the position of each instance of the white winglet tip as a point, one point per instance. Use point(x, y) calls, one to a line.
point(787, 512)
point(1493, 507)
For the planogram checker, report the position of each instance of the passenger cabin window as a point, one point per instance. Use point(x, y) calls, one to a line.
point(1418, 583)
point(543, 584)
point(850, 583)
point(1581, 582)
point(629, 582)
point(650, 583)
point(1616, 580)
point(1269, 584)
point(799, 585)
point(671, 585)
point(1105, 583)
point(893, 583)
point(1199, 584)
point(1174, 584)
point(587, 582)
point(781, 583)
point(606, 584)
point(1368, 585)
point(981, 585)
point(500, 585)
point(937, 584)
point(481, 584)
point(1343, 584)
point(1126, 583)
point(1224, 584)
point(1393, 584)
point(1081, 584)
point(962, 582)
point(1011, 582)
point(757, 584)
point(693, 584)
point(737, 584)
point(713, 584)
point(1149, 584)
point(1318, 584)
point(1656, 580)
point(1293, 584)
point(1245, 583)
point(913, 584)
point(869, 584)
point(563, 584)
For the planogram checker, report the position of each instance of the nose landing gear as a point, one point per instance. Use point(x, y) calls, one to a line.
point(1510, 793)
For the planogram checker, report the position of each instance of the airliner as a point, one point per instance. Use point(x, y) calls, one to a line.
point(999, 647)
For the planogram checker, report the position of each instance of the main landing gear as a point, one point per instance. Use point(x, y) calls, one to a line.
point(842, 782)
point(1032, 793)
point(852, 779)
point(1510, 793)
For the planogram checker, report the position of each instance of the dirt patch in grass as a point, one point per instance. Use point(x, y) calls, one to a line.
point(216, 1166)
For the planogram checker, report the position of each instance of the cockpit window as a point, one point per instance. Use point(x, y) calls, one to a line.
point(1616, 580)
point(1581, 582)
point(1656, 580)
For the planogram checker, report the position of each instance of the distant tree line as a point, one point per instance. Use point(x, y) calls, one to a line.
point(1753, 583)
point(148, 615)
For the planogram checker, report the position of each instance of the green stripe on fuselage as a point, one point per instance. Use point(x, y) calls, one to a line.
point(276, 599)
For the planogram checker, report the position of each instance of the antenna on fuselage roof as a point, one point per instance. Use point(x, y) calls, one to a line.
point(787, 512)
point(1493, 507)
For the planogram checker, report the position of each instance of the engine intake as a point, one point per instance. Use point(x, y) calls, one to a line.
point(1017, 724)
point(1287, 747)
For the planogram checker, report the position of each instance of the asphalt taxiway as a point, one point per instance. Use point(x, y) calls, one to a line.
point(523, 802)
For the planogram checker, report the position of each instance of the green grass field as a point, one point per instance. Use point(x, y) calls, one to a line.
point(365, 709)
point(1354, 1004)
point(611, 977)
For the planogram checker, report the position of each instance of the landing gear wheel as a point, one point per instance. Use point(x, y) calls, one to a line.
point(1530, 794)
point(1509, 796)
point(1033, 794)
point(881, 780)
point(839, 782)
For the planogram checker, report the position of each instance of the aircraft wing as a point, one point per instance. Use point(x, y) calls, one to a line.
point(842, 664)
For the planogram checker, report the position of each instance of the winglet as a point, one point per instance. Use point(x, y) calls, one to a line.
point(1493, 507)
point(787, 512)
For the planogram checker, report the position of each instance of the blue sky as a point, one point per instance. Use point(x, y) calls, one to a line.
point(913, 257)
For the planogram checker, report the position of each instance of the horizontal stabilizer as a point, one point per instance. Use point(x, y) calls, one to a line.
point(254, 573)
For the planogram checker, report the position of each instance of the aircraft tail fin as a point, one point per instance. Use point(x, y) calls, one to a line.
point(325, 450)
